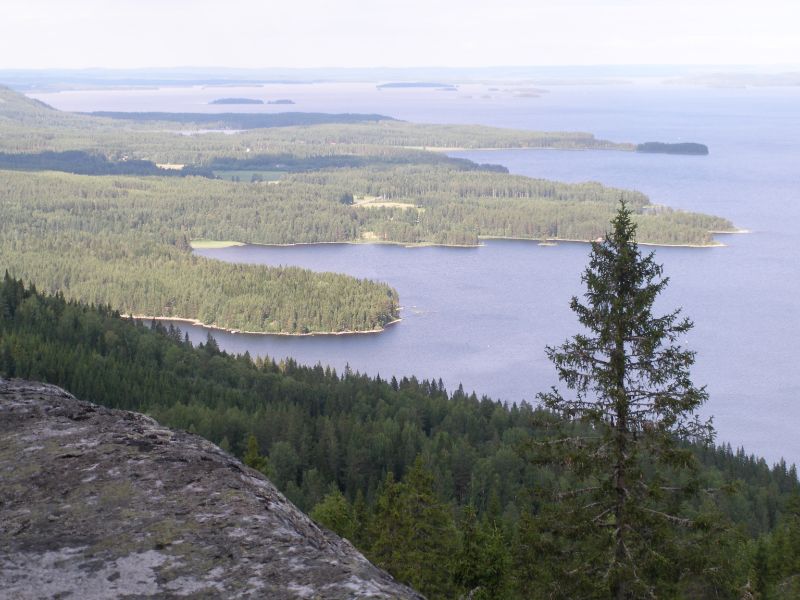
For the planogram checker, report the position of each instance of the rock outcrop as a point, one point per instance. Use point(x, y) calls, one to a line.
point(100, 503)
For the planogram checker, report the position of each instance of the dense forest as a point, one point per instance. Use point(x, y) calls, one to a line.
point(435, 486)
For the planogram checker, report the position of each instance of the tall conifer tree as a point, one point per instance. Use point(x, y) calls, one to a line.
point(617, 522)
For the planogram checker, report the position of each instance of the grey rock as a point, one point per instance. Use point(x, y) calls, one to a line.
point(100, 503)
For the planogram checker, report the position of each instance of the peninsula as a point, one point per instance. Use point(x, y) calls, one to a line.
point(289, 178)
point(679, 148)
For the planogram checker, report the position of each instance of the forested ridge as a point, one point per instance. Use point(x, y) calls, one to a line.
point(390, 463)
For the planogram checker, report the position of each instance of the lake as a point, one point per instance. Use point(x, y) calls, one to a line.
point(483, 316)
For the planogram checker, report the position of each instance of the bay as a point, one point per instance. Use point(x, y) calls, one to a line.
point(482, 316)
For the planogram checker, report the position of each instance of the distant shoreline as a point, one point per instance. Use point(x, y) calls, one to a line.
point(461, 149)
point(198, 323)
point(211, 245)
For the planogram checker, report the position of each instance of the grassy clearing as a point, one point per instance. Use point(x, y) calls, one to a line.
point(379, 202)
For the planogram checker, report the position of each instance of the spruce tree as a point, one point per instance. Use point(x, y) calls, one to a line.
point(619, 520)
point(414, 535)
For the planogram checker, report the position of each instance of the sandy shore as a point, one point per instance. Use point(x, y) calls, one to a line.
point(546, 241)
point(199, 323)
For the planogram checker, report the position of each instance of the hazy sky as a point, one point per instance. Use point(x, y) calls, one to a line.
point(371, 33)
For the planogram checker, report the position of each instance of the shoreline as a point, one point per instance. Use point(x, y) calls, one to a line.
point(545, 241)
point(343, 242)
point(446, 149)
point(198, 323)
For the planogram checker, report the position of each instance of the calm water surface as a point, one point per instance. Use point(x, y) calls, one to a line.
point(483, 316)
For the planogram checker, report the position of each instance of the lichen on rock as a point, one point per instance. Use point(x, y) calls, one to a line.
point(101, 503)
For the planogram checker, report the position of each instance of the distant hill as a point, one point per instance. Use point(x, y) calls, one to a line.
point(18, 107)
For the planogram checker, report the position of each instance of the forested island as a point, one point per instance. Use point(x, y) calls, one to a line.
point(679, 148)
point(237, 101)
point(385, 462)
point(114, 228)
point(281, 101)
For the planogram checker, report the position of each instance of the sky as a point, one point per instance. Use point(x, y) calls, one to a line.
point(397, 33)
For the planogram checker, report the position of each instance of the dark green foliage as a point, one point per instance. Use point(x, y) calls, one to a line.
point(777, 561)
point(414, 535)
point(252, 454)
point(483, 562)
point(337, 514)
point(319, 431)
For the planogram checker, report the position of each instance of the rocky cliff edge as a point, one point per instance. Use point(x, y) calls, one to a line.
point(100, 503)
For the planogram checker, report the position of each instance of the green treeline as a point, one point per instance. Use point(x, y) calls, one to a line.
point(294, 163)
point(431, 485)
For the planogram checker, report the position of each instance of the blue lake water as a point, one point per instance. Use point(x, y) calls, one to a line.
point(483, 316)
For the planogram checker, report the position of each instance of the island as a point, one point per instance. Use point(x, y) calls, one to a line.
point(415, 84)
point(281, 101)
point(680, 148)
point(237, 101)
